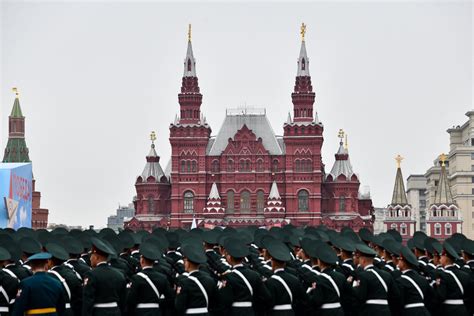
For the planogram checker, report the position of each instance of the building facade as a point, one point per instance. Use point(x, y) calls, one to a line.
point(115, 221)
point(416, 196)
point(400, 215)
point(17, 151)
point(247, 175)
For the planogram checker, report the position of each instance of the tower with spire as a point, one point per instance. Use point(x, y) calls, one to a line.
point(189, 137)
point(341, 203)
point(443, 218)
point(152, 202)
point(303, 138)
point(214, 212)
point(400, 215)
point(16, 151)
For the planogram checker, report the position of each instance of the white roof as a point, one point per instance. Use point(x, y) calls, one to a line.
point(190, 57)
point(257, 122)
point(152, 168)
point(214, 194)
point(303, 67)
point(274, 194)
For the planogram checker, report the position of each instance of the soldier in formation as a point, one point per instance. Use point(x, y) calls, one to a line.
point(227, 271)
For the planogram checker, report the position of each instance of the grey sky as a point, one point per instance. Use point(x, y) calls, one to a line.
point(96, 78)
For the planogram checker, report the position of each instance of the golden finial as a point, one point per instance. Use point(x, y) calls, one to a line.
point(189, 32)
point(15, 90)
point(153, 137)
point(341, 134)
point(303, 31)
point(399, 160)
point(443, 159)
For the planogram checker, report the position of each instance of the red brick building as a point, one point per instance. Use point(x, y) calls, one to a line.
point(17, 151)
point(246, 174)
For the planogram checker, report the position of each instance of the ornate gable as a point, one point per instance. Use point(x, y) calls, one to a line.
point(245, 142)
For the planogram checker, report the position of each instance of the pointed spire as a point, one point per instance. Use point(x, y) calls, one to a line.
point(274, 193)
point(16, 110)
point(399, 196)
point(342, 165)
point(288, 120)
point(189, 61)
point(443, 192)
point(214, 194)
point(303, 62)
point(152, 166)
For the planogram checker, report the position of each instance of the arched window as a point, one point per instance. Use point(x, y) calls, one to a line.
point(194, 166)
point(183, 165)
point(230, 165)
point(298, 165)
point(448, 229)
point(188, 202)
point(403, 229)
point(215, 166)
point(188, 165)
point(393, 226)
point(342, 204)
point(245, 202)
point(275, 165)
point(308, 165)
point(303, 203)
point(437, 229)
point(230, 202)
point(303, 64)
point(151, 205)
point(260, 165)
point(189, 64)
point(260, 201)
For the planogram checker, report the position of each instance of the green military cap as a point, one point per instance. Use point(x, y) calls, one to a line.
point(259, 238)
point(365, 234)
point(278, 250)
point(40, 256)
point(392, 246)
point(351, 235)
point(45, 237)
point(325, 253)
point(419, 240)
point(364, 250)
point(448, 250)
point(433, 246)
point(407, 255)
point(467, 246)
point(455, 243)
point(57, 251)
point(344, 243)
point(126, 237)
point(236, 247)
point(378, 240)
point(150, 251)
point(30, 245)
point(102, 247)
point(72, 245)
point(411, 243)
point(7, 242)
point(395, 234)
point(173, 240)
point(194, 252)
point(4, 254)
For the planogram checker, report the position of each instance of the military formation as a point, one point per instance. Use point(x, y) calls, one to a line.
point(245, 271)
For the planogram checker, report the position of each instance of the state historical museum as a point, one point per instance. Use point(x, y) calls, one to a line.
point(247, 175)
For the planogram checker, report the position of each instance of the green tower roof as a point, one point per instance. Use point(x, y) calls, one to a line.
point(16, 110)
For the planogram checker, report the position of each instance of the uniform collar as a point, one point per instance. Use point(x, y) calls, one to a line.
point(210, 250)
point(102, 263)
point(194, 271)
point(240, 265)
point(470, 261)
point(347, 260)
point(279, 270)
point(370, 266)
point(407, 270)
point(147, 267)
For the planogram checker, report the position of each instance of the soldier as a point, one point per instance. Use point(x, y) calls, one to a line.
point(243, 292)
point(391, 252)
point(452, 284)
point(150, 292)
point(286, 290)
point(39, 294)
point(8, 283)
point(375, 289)
point(416, 295)
point(196, 291)
point(104, 287)
point(74, 247)
point(71, 282)
point(345, 249)
point(468, 255)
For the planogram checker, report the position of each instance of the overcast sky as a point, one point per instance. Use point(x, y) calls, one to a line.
point(96, 78)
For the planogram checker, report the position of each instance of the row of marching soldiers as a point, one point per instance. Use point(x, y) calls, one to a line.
point(247, 271)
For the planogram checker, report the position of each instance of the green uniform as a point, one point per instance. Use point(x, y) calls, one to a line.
point(104, 292)
point(196, 294)
point(72, 287)
point(452, 287)
point(10, 284)
point(416, 295)
point(244, 292)
point(288, 296)
point(145, 299)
